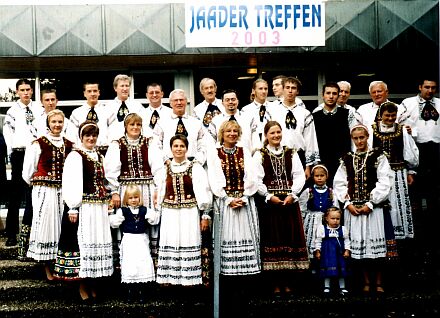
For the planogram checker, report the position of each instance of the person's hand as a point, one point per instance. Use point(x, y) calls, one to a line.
point(408, 129)
point(410, 179)
point(307, 172)
point(352, 209)
point(204, 225)
point(73, 217)
point(116, 200)
point(318, 254)
point(237, 203)
point(288, 200)
point(346, 254)
point(276, 200)
point(155, 196)
point(364, 210)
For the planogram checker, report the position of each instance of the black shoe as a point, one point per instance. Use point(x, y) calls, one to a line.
point(130, 296)
point(97, 299)
point(380, 293)
point(141, 298)
point(85, 301)
point(11, 242)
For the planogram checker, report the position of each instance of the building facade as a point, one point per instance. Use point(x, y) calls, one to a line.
point(64, 46)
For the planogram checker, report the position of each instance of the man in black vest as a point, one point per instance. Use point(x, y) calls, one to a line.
point(332, 126)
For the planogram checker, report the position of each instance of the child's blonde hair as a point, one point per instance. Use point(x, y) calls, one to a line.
point(319, 166)
point(133, 190)
point(327, 212)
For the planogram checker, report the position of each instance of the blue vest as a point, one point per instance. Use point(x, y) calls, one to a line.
point(135, 224)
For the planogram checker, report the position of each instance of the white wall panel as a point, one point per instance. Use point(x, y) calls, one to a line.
point(68, 30)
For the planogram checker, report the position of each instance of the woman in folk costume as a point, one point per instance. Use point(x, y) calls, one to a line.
point(42, 168)
point(403, 155)
point(185, 201)
point(232, 177)
point(281, 177)
point(86, 196)
point(362, 184)
point(132, 159)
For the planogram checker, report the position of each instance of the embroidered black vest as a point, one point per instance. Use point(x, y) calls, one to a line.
point(392, 144)
point(233, 169)
point(94, 190)
point(362, 177)
point(51, 163)
point(278, 171)
point(179, 191)
point(134, 162)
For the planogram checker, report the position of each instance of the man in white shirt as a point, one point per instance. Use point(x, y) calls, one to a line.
point(179, 122)
point(344, 94)
point(155, 109)
point(92, 110)
point(121, 106)
point(277, 86)
point(19, 131)
point(249, 136)
point(297, 124)
point(421, 114)
point(49, 101)
point(211, 106)
point(368, 113)
point(258, 108)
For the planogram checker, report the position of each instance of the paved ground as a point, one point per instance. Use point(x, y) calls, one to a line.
point(3, 214)
point(412, 290)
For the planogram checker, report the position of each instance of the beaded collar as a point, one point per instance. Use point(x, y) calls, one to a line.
point(275, 150)
point(132, 142)
point(229, 151)
point(88, 151)
point(178, 164)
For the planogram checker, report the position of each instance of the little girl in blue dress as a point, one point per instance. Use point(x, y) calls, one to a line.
point(332, 249)
point(136, 262)
point(314, 201)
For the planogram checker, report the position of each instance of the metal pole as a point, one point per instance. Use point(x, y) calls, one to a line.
point(216, 231)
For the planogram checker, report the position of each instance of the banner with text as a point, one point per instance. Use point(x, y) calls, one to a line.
point(254, 23)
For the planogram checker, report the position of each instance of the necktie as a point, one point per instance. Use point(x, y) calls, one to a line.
point(262, 112)
point(377, 118)
point(181, 128)
point(153, 119)
point(210, 113)
point(429, 112)
point(91, 115)
point(29, 116)
point(290, 120)
point(122, 112)
point(232, 118)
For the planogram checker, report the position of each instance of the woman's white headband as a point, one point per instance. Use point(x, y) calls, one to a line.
point(82, 128)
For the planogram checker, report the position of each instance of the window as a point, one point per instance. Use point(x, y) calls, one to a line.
point(142, 79)
point(69, 85)
point(7, 89)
